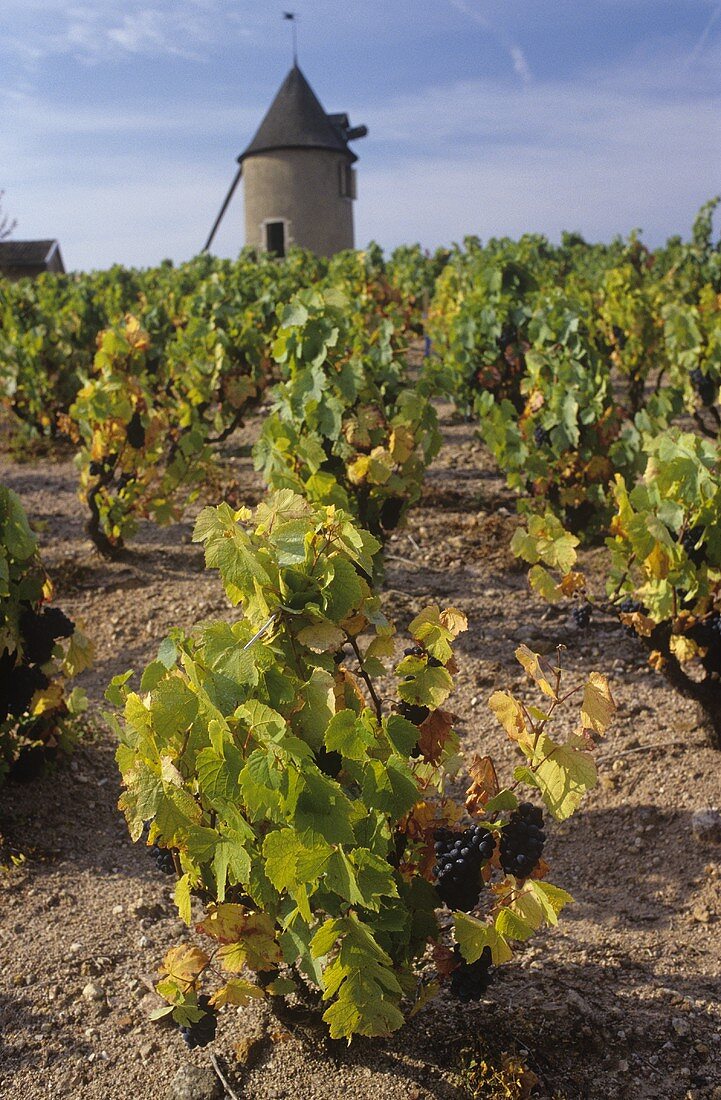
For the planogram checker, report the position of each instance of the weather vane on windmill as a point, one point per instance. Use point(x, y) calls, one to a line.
point(300, 182)
point(292, 17)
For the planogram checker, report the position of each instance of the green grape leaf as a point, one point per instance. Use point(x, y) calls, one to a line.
point(473, 935)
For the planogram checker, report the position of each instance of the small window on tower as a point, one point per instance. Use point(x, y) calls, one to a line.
point(275, 238)
point(346, 181)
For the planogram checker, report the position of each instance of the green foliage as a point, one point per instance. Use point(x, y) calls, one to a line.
point(300, 806)
point(346, 427)
point(40, 651)
point(663, 567)
point(573, 357)
point(144, 449)
point(665, 552)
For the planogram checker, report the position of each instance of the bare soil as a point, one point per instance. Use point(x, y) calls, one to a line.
point(622, 1000)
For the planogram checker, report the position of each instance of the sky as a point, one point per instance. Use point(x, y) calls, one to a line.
point(120, 120)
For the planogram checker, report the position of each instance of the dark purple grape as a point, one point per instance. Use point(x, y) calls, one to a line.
point(459, 859)
point(413, 713)
point(135, 431)
point(704, 386)
point(522, 841)
point(582, 615)
point(469, 981)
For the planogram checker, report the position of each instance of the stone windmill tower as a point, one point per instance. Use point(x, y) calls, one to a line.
point(300, 182)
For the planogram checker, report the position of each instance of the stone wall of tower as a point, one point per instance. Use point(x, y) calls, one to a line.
point(302, 188)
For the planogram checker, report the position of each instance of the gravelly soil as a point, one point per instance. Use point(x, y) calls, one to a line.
point(620, 1001)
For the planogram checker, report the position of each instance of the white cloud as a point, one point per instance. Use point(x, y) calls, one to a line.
point(116, 29)
point(520, 64)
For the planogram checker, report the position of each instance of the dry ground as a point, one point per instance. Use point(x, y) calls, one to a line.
point(620, 1001)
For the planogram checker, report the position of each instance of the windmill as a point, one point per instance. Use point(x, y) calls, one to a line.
point(300, 182)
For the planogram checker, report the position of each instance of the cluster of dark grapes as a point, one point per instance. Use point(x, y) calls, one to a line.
point(582, 615)
point(469, 981)
point(522, 841)
point(459, 858)
point(21, 677)
point(40, 630)
point(419, 651)
point(541, 437)
point(708, 634)
point(328, 761)
point(704, 386)
point(135, 431)
point(163, 859)
point(391, 512)
point(202, 1032)
point(619, 336)
point(689, 539)
point(105, 466)
point(413, 713)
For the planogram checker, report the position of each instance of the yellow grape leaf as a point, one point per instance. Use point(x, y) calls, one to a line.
point(321, 637)
point(237, 992)
point(454, 621)
point(551, 899)
point(79, 654)
point(97, 446)
point(247, 938)
point(358, 470)
point(639, 622)
point(50, 698)
point(182, 899)
point(381, 646)
point(48, 589)
point(658, 562)
point(223, 922)
point(532, 664)
point(183, 965)
point(402, 443)
point(484, 783)
point(509, 713)
point(573, 582)
point(135, 334)
point(542, 582)
point(520, 919)
point(563, 775)
point(683, 648)
point(656, 660)
point(380, 465)
point(598, 707)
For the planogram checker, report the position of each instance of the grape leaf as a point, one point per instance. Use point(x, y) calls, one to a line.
point(473, 935)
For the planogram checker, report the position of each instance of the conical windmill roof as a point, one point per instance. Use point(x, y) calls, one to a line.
point(296, 120)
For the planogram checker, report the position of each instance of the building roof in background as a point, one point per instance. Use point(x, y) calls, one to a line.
point(296, 120)
point(26, 253)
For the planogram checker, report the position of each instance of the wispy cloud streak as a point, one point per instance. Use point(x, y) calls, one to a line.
point(516, 54)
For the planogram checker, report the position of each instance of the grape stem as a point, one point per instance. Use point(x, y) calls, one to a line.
point(366, 678)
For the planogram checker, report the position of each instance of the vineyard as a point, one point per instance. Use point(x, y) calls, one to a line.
point(360, 709)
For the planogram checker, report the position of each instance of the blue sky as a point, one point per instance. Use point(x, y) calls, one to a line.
point(121, 119)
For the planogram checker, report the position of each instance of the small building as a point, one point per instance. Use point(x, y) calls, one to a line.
point(298, 173)
point(26, 259)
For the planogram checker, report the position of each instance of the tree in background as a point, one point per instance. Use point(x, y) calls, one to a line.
point(6, 226)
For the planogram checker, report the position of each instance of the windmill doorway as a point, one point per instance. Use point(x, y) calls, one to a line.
point(275, 242)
